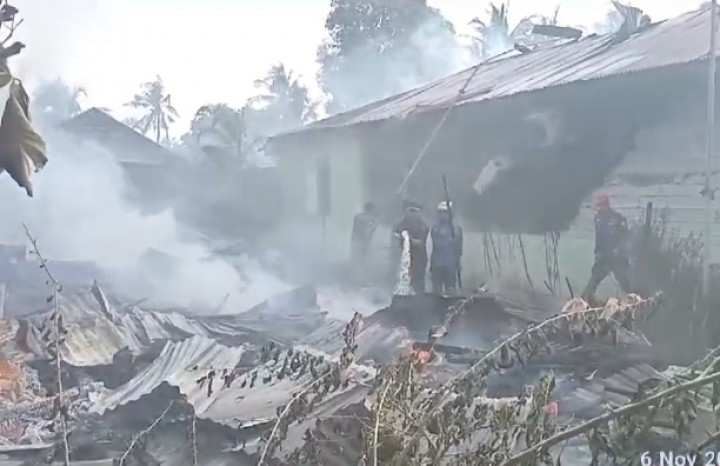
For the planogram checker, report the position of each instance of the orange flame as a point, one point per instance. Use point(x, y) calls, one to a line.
point(419, 354)
point(551, 408)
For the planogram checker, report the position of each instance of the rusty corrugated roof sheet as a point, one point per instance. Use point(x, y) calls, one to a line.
point(677, 41)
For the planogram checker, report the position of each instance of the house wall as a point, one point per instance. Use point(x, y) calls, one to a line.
point(297, 179)
point(665, 165)
point(301, 184)
point(347, 181)
point(666, 168)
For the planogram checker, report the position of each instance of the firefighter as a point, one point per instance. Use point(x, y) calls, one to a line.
point(447, 247)
point(611, 248)
point(418, 231)
point(364, 225)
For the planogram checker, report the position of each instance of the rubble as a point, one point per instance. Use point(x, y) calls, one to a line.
point(221, 381)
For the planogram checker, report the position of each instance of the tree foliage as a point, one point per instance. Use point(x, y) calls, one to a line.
point(284, 97)
point(376, 49)
point(220, 132)
point(494, 36)
point(157, 110)
point(228, 134)
point(56, 101)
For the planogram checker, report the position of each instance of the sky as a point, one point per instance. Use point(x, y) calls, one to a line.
point(212, 51)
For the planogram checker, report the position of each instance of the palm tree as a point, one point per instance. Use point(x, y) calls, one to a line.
point(157, 108)
point(131, 121)
point(285, 94)
point(495, 37)
point(220, 131)
point(56, 101)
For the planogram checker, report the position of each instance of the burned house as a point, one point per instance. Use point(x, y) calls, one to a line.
point(214, 384)
point(148, 167)
point(531, 135)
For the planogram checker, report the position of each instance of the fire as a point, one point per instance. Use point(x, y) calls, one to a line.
point(551, 408)
point(422, 356)
point(419, 354)
point(12, 381)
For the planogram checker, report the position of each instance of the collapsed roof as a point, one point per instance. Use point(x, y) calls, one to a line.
point(227, 377)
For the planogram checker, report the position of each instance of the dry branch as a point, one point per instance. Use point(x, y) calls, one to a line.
point(12, 28)
point(376, 430)
point(610, 415)
point(142, 434)
point(57, 336)
point(285, 412)
point(575, 310)
point(351, 331)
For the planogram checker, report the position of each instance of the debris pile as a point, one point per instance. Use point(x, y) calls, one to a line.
point(284, 383)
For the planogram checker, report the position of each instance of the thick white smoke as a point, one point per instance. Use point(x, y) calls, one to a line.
point(79, 212)
point(429, 52)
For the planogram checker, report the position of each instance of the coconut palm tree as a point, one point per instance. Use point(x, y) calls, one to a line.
point(220, 131)
point(157, 108)
point(284, 94)
point(56, 101)
point(495, 37)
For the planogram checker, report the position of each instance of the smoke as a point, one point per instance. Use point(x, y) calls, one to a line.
point(395, 61)
point(79, 212)
point(57, 33)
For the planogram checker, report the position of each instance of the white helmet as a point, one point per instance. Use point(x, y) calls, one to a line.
point(443, 206)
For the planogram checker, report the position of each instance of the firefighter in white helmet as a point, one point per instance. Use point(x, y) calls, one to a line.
point(447, 249)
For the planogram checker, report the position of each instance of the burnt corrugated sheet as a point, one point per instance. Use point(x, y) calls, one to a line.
point(96, 329)
point(94, 337)
point(183, 364)
point(375, 341)
point(180, 364)
point(673, 42)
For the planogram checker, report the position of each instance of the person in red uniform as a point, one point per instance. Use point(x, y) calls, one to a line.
point(611, 248)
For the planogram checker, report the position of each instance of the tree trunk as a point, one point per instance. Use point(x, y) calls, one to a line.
point(157, 130)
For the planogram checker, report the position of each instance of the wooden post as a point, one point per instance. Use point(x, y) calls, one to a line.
point(708, 191)
point(3, 293)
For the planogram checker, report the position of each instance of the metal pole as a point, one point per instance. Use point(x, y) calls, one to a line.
point(710, 148)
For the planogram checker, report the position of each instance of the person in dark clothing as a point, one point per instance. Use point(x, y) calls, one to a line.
point(364, 225)
point(210, 378)
point(611, 252)
point(446, 252)
point(418, 231)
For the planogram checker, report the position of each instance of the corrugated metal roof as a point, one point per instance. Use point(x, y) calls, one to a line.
point(96, 330)
point(677, 41)
point(129, 145)
point(182, 364)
